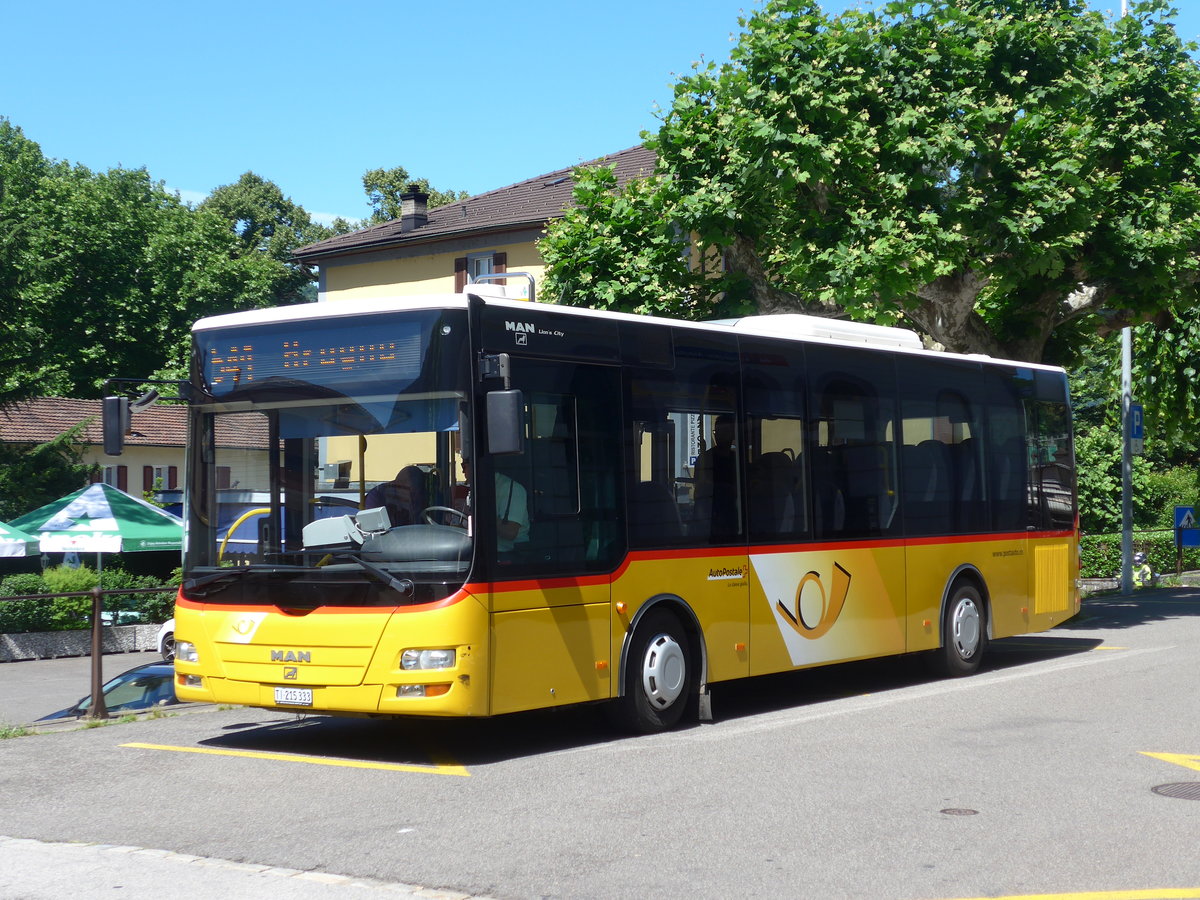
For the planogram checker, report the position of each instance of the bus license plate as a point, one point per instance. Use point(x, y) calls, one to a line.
point(288, 696)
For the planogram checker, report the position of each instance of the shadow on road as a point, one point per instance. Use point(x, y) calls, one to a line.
point(1146, 605)
point(471, 742)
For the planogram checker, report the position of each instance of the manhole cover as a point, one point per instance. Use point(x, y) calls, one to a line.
point(964, 812)
point(1181, 790)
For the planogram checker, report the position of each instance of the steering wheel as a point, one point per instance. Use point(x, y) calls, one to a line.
point(427, 514)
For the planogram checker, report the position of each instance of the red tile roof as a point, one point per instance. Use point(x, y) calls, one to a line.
point(43, 419)
point(525, 204)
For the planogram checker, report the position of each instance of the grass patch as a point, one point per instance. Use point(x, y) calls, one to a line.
point(14, 731)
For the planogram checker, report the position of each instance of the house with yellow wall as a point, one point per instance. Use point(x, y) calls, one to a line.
point(152, 461)
point(439, 250)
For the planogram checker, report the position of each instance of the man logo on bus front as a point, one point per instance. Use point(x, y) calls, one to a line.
point(810, 626)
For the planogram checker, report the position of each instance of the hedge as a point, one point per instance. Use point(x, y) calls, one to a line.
point(1100, 554)
point(67, 613)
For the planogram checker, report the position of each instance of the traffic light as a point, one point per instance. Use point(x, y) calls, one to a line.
point(115, 419)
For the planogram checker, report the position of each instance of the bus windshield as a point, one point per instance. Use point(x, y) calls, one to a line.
point(326, 465)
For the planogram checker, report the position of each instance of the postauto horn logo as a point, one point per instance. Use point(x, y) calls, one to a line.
point(813, 614)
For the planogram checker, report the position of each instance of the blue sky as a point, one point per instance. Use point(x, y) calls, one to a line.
point(471, 95)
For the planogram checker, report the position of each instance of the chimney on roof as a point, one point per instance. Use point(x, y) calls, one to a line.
point(412, 208)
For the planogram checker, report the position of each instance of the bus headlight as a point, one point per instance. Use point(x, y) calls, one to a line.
point(427, 659)
point(185, 651)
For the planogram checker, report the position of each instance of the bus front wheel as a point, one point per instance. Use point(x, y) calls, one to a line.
point(659, 676)
point(964, 632)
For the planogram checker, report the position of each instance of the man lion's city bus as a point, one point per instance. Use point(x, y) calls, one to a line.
point(582, 506)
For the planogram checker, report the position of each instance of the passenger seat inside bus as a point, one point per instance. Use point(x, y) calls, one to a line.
point(829, 499)
point(971, 511)
point(653, 514)
point(772, 501)
point(928, 493)
point(869, 496)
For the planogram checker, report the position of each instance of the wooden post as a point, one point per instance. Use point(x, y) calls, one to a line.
point(97, 710)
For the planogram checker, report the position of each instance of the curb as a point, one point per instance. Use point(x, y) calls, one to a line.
point(205, 870)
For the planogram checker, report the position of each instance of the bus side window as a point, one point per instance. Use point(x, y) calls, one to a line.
point(1053, 462)
point(777, 499)
point(569, 470)
point(854, 435)
point(683, 446)
point(717, 476)
point(1007, 468)
point(654, 515)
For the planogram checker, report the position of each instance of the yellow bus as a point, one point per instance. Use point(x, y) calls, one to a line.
point(471, 505)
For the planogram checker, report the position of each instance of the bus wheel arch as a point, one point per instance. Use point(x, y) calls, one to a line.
point(965, 623)
point(662, 668)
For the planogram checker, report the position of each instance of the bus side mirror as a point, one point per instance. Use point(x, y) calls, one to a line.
point(114, 417)
point(506, 421)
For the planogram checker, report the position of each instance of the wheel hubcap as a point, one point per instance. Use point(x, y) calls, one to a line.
point(965, 627)
point(664, 671)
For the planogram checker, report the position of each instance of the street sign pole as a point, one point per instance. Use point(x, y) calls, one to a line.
point(1126, 461)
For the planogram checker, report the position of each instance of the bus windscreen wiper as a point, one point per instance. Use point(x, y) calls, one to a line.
point(236, 572)
point(403, 585)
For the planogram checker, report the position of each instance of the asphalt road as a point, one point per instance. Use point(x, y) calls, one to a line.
point(1036, 776)
point(34, 688)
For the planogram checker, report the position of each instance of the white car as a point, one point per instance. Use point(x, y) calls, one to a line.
point(166, 640)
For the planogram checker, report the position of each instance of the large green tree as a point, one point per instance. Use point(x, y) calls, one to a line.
point(270, 223)
point(33, 477)
point(103, 273)
point(22, 170)
point(991, 171)
point(384, 188)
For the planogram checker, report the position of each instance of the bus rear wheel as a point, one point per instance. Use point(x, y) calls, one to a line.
point(964, 632)
point(659, 676)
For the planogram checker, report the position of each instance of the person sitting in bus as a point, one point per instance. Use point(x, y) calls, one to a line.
point(512, 513)
point(512, 510)
point(403, 497)
point(716, 482)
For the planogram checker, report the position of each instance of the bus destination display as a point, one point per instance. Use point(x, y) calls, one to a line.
point(230, 364)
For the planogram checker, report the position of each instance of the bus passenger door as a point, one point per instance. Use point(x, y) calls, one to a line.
point(551, 587)
point(1054, 563)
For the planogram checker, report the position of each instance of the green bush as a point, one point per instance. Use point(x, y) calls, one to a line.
point(65, 580)
point(1100, 554)
point(156, 607)
point(69, 612)
point(18, 616)
point(1163, 490)
point(65, 613)
point(21, 584)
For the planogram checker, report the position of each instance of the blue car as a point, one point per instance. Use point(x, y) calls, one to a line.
point(142, 687)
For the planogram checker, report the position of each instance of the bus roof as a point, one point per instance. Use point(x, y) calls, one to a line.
point(791, 326)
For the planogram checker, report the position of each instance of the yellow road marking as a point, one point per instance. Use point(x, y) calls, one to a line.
point(1179, 759)
point(1159, 894)
point(438, 769)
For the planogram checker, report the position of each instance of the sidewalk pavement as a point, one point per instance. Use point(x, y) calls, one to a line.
point(35, 870)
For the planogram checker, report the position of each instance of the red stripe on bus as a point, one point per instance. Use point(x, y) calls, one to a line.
point(454, 598)
point(531, 584)
point(576, 581)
